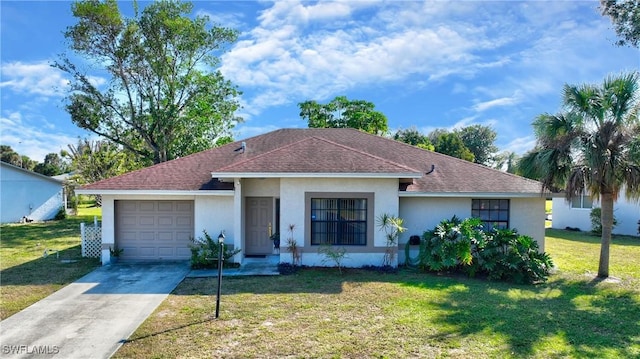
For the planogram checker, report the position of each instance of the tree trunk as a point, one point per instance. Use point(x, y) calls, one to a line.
point(606, 217)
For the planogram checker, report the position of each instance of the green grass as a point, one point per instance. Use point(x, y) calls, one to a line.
point(363, 314)
point(576, 254)
point(26, 275)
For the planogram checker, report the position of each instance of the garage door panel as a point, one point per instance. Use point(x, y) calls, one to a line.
point(183, 252)
point(165, 221)
point(129, 221)
point(128, 236)
point(184, 236)
point(184, 221)
point(184, 207)
point(129, 206)
point(146, 206)
point(154, 230)
point(165, 236)
point(166, 252)
point(147, 220)
point(147, 252)
point(165, 206)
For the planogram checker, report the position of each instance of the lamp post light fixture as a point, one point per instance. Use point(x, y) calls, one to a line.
point(220, 250)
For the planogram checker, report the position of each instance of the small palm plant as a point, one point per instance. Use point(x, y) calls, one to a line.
point(392, 226)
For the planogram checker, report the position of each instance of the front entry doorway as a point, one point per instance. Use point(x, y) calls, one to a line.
point(259, 225)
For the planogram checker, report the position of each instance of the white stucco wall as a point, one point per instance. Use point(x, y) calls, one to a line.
point(214, 214)
point(292, 211)
point(424, 213)
point(527, 216)
point(627, 213)
point(28, 194)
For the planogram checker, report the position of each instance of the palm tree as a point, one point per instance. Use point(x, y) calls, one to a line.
point(591, 147)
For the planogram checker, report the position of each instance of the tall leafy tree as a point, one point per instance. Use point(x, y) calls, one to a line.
point(344, 113)
point(480, 141)
point(97, 160)
point(413, 137)
point(163, 98)
point(592, 146)
point(53, 165)
point(625, 16)
point(8, 155)
point(450, 143)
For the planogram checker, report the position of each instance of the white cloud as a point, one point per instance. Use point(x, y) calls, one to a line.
point(499, 102)
point(290, 60)
point(520, 145)
point(33, 141)
point(37, 78)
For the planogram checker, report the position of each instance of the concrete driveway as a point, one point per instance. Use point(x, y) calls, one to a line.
point(91, 317)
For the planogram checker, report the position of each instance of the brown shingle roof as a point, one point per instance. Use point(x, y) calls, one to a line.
point(321, 151)
point(316, 155)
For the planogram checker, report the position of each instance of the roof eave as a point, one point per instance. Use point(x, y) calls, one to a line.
point(409, 194)
point(155, 192)
point(230, 175)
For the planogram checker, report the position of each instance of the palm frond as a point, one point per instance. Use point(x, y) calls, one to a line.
point(620, 94)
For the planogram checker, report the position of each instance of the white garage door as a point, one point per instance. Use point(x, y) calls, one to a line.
point(154, 230)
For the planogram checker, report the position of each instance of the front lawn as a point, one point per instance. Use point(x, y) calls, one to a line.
point(26, 274)
point(319, 313)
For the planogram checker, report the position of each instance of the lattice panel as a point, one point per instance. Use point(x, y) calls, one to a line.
point(91, 242)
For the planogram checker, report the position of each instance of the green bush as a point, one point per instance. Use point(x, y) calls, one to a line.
point(204, 253)
point(509, 256)
point(501, 254)
point(449, 245)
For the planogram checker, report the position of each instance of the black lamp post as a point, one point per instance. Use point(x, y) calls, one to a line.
point(220, 250)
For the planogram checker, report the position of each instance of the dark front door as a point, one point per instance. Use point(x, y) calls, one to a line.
point(258, 222)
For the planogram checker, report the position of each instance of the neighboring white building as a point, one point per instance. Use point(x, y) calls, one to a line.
point(331, 184)
point(576, 213)
point(28, 194)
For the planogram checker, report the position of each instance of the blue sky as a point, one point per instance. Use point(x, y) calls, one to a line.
point(424, 64)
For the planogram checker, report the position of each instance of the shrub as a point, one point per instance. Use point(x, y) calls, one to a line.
point(512, 257)
point(501, 254)
point(596, 221)
point(450, 244)
point(204, 253)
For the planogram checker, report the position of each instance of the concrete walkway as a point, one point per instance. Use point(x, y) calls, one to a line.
point(92, 316)
point(250, 266)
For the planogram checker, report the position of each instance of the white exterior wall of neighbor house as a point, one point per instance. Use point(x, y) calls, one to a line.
point(28, 194)
point(627, 214)
point(292, 211)
point(424, 213)
point(211, 213)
